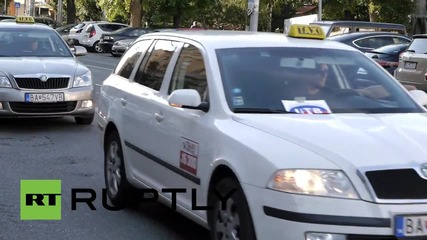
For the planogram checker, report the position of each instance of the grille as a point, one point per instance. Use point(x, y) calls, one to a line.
point(61, 107)
point(366, 237)
point(398, 184)
point(36, 83)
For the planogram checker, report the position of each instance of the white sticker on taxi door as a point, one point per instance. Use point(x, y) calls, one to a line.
point(188, 156)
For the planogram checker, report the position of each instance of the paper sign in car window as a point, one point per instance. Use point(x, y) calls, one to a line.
point(307, 107)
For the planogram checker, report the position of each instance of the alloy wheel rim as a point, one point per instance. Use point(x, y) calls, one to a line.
point(113, 168)
point(227, 221)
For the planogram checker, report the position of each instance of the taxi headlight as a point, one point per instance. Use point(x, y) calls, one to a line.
point(83, 80)
point(329, 183)
point(4, 82)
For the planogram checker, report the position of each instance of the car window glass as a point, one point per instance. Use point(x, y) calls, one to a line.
point(265, 77)
point(400, 40)
point(152, 71)
point(190, 72)
point(32, 42)
point(418, 45)
point(130, 58)
point(89, 28)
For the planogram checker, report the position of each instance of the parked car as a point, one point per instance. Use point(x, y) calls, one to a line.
point(412, 67)
point(64, 31)
point(367, 41)
point(2, 17)
point(76, 33)
point(93, 32)
point(388, 56)
point(107, 39)
point(332, 28)
point(47, 21)
point(121, 46)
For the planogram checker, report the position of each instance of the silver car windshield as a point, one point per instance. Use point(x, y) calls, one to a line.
point(263, 79)
point(32, 43)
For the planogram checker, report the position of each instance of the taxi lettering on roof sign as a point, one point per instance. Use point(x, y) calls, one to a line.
point(306, 31)
point(24, 19)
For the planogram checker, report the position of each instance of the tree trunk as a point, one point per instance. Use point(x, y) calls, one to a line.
point(136, 13)
point(270, 16)
point(177, 18)
point(71, 12)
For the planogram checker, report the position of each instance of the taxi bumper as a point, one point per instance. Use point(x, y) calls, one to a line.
point(77, 102)
point(279, 215)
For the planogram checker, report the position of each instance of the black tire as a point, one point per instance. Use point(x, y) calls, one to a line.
point(245, 230)
point(97, 48)
point(84, 120)
point(125, 194)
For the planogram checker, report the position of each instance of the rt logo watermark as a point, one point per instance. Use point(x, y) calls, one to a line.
point(41, 199)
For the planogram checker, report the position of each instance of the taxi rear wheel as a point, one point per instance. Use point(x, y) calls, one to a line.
point(232, 221)
point(118, 188)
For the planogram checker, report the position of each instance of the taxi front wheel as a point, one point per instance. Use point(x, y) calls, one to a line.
point(233, 219)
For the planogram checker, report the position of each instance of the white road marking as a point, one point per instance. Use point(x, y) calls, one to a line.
point(93, 66)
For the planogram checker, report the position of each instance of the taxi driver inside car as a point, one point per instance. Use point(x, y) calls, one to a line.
point(314, 91)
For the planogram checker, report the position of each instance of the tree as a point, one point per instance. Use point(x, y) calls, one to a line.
point(116, 10)
point(71, 11)
point(136, 13)
point(88, 10)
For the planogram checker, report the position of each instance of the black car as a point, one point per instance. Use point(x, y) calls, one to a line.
point(388, 56)
point(107, 40)
point(367, 41)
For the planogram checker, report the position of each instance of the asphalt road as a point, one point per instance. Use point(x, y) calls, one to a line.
point(60, 149)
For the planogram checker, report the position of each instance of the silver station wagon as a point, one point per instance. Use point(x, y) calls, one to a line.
point(40, 75)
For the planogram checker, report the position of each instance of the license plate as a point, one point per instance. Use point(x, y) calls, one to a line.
point(410, 226)
point(44, 97)
point(410, 65)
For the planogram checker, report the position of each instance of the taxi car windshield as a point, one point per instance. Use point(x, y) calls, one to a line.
point(347, 81)
point(32, 43)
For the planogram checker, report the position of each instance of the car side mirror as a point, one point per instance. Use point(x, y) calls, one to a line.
point(419, 96)
point(187, 98)
point(79, 51)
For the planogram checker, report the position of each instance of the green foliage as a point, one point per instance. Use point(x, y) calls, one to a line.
point(115, 10)
point(87, 10)
point(345, 10)
point(231, 14)
point(393, 11)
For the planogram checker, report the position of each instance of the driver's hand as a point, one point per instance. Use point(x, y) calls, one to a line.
point(375, 92)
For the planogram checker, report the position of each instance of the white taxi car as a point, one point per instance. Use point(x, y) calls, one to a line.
point(299, 137)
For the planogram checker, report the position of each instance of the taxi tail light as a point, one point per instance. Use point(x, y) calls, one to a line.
point(388, 64)
point(92, 33)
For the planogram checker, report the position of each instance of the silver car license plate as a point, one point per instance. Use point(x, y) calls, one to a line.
point(410, 226)
point(44, 97)
point(410, 65)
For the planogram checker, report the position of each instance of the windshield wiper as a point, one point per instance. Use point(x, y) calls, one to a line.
point(260, 110)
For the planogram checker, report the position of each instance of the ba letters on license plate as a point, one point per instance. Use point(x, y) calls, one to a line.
point(44, 97)
point(410, 65)
point(411, 226)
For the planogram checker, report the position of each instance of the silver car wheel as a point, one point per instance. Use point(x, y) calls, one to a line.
point(113, 167)
point(227, 222)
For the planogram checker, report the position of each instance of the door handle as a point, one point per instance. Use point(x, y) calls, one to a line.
point(123, 101)
point(158, 117)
